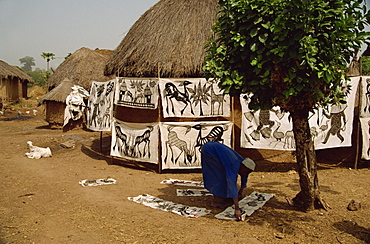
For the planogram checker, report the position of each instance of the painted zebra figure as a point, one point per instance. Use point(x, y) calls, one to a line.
point(214, 135)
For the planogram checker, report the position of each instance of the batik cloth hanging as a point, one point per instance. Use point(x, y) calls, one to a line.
point(272, 129)
point(365, 97)
point(75, 105)
point(137, 93)
point(365, 128)
point(135, 141)
point(182, 141)
point(193, 97)
point(100, 105)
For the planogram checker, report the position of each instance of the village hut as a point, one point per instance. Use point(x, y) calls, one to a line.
point(168, 41)
point(55, 103)
point(14, 82)
point(82, 67)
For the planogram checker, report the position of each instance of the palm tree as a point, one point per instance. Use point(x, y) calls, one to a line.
point(48, 57)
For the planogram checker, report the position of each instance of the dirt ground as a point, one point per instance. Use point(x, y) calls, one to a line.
point(42, 201)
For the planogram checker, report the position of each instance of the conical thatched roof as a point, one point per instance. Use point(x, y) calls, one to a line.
point(8, 72)
point(82, 67)
point(171, 35)
point(59, 93)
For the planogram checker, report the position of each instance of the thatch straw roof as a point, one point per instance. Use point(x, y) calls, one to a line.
point(9, 72)
point(82, 67)
point(59, 93)
point(170, 36)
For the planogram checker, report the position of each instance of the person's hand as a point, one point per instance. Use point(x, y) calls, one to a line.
point(238, 214)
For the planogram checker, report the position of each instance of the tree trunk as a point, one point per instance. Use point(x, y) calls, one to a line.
point(309, 197)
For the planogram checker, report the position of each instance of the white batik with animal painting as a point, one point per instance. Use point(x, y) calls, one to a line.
point(137, 93)
point(135, 141)
point(193, 97)
point(272, 129)
point(182, 141)
point(100, 105)
point(365, 97)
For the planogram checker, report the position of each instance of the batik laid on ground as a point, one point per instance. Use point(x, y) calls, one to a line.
point(168, 206)
point(272, 129)
point(137, 93)
point(247, 205)
point(193, 97)
point(193, 192)
point(135, 141)
point(75, 104)
point(182, 141)
point(183, 182)
point(100, 105)
point(98, 182)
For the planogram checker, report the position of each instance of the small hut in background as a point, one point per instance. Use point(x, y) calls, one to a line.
point(55, 103)
point(13, 82)
point(81, 68)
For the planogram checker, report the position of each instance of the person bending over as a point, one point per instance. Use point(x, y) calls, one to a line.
point(221, 166)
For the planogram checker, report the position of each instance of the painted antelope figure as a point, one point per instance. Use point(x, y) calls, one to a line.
point(171, 91)
point(214, 135)
point(216, 98)
point(123, 138)
point(144, 138)
point(175, 141)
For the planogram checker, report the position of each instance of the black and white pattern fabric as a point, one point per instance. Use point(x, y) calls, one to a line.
point(182, 141)
point(135, 141)
point(100, 105)
point(137, 93)
point(193, 97)
point(272, 129)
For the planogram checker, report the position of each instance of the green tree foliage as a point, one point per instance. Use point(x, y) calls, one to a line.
point(48, 57)
point(291, 54)
point(27, 63)
point(39, 76)
point(365, 62)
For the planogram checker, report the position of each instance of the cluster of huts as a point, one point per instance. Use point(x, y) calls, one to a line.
point(167, 41)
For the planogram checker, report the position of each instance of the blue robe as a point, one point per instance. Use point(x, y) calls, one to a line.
point(220, 166)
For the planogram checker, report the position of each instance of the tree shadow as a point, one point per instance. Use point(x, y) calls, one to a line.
point(353, 229)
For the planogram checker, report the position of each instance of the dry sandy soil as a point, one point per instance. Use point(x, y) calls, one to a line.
point(42, 201)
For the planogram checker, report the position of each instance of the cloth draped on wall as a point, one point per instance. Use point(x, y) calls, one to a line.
point(75, 104)
point(365, 116)
point(181, 141)
point(135, 141)
point(272, 129)
point(100, 105)
point(193, 97)
point(137, 93)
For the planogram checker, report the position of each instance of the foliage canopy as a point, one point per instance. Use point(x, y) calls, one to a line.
point(286, 53)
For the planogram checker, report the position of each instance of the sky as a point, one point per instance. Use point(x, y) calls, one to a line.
point(30, 27)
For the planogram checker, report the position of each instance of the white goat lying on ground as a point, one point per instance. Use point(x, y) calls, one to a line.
point(37, 152)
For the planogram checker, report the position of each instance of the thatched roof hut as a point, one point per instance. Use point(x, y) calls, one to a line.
point(169, 37)
point(59, 93)
point(55, 103)
point(82, 67)
point(13, 82)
